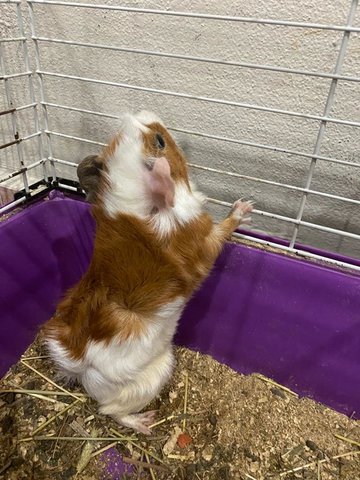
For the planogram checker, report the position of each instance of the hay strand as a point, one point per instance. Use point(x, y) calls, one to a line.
point(347, 440)
point(102, 450)
point(45, 424)
point(250, 477)
point(51, 381)
point(42, 397)
point(312, 464)
point(73, 439)
point(160, 422)
point(147, 464)
point(272, 382)
point(122, 438)
point(37, 357)
point(185, 400)
point(152, 473)
point(41, 392)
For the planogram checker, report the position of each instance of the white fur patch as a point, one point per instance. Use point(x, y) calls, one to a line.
point(130, 124)
point(133, 396)
point(127, 192)
point(69, 367)
point(188, 206)
point(147, 118)
point(123, 376)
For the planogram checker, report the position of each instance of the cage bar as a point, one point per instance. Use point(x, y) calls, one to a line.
point(14, 39)
point(15, 75)
point(41, 87)
point(307, 73)
point(15, 130)
point(272, 148)
point(22, 170)
point(14, 203)
point(42, 125)
point(201, 98)
point(204, 16)
point(218, 171)
point(327, 110)
point(18, 109)
point(35, 104)
point(255, 211)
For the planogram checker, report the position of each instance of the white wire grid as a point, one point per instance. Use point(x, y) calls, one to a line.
point(41, 108)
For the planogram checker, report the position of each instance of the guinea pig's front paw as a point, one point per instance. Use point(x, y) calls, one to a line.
point(240, 211)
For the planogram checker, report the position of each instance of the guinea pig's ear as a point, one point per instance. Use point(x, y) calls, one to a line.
point(89, 173)
point(160, 184)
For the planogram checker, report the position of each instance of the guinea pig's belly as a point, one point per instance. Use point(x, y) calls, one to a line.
point(129, 392)
point(120, 370)
point(138, 364)
point(121, 362)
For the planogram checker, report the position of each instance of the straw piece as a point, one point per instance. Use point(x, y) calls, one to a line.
point(346, 439)
point(86, 454)
point(147, 464)
point(152, 473)
point(36, 357)
point(118, 434)
point(37, 430)
point(175, 456)
point(41, 392)
point(50, 381)
point(102, 450)
point(83, 439)
point(272, 382)
point(79, 429)
point(312, 464)
point(162, 421)
point(249, 476)
point(42, 397)
point(185, 399)
point(140, 469)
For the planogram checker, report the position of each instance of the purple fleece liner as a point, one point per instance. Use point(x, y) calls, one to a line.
point(292, 320)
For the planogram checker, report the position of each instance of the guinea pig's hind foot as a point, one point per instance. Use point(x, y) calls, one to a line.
point(140, 422)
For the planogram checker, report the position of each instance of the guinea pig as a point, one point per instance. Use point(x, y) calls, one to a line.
point(154, 245)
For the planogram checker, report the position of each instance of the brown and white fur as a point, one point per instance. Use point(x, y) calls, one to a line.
point(154, 245)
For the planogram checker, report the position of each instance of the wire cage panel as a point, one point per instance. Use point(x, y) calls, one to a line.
point(265, 108)
point(21, 143)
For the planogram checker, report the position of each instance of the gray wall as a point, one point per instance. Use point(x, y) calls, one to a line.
point(307, 49)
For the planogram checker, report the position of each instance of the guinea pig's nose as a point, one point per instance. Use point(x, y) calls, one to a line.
point(149, 163)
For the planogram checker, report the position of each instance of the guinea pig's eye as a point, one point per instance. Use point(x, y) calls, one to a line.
point(160, 142)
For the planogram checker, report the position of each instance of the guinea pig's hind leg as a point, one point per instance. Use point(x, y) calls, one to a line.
point(131, 398)
point(140, 422)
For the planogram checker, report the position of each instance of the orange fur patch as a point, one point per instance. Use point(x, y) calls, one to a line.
point(109, 150)
point(172, 152)
point(133, 272)
point(130, 277)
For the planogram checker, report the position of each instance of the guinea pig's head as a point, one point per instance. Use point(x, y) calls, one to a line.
point(141, 171)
